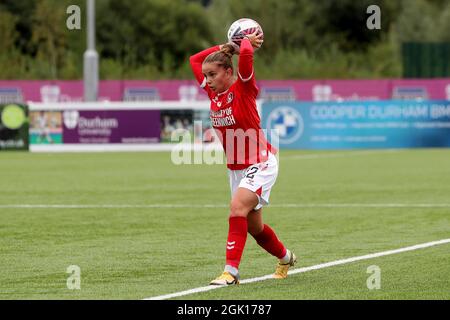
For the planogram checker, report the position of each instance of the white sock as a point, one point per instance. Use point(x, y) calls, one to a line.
point(286, 258)
point(234, 271)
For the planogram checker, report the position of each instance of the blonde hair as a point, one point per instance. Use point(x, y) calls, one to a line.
point(223, 57)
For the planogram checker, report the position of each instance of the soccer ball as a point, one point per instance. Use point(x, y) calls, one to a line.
point(241, 27)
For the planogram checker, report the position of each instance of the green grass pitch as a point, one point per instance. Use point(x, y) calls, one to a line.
point(135, 253)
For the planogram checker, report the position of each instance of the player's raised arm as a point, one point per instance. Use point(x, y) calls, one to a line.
point(245, 60)
point(246, 69)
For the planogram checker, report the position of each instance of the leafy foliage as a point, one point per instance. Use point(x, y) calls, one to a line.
point(152, 39)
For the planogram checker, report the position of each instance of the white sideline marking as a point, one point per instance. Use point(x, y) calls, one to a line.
point(339, 154)
point(163, 206)
point(306, 269)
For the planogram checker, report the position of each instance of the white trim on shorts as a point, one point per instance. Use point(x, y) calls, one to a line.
point(258, 178)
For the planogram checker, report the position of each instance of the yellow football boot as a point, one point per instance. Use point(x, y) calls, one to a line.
point(225, 279)
point(281, 271)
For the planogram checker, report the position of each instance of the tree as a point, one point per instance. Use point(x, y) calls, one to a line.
point(444, 34)
point(8, 33)
point(159, 32)
point(49, 35)
point(417, 21)
point(23, 11)
point(10, 58)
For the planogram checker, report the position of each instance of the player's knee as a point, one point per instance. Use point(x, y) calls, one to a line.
point(238, 209)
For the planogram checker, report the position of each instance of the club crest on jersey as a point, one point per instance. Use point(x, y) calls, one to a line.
point(230, 97)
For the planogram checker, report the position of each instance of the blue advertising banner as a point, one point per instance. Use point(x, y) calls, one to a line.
point(359, 124)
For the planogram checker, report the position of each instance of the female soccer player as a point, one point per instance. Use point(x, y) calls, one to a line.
point(252, 166)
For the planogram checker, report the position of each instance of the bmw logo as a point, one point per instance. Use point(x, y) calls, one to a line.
point(287, 122)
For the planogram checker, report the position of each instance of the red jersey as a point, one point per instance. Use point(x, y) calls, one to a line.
point(234, 114)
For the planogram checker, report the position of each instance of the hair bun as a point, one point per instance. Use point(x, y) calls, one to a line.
point(228, 50)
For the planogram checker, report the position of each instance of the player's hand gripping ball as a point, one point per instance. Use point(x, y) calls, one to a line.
point(243, 27)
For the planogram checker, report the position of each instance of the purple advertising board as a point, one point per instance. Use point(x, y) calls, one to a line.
point(124, 126)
